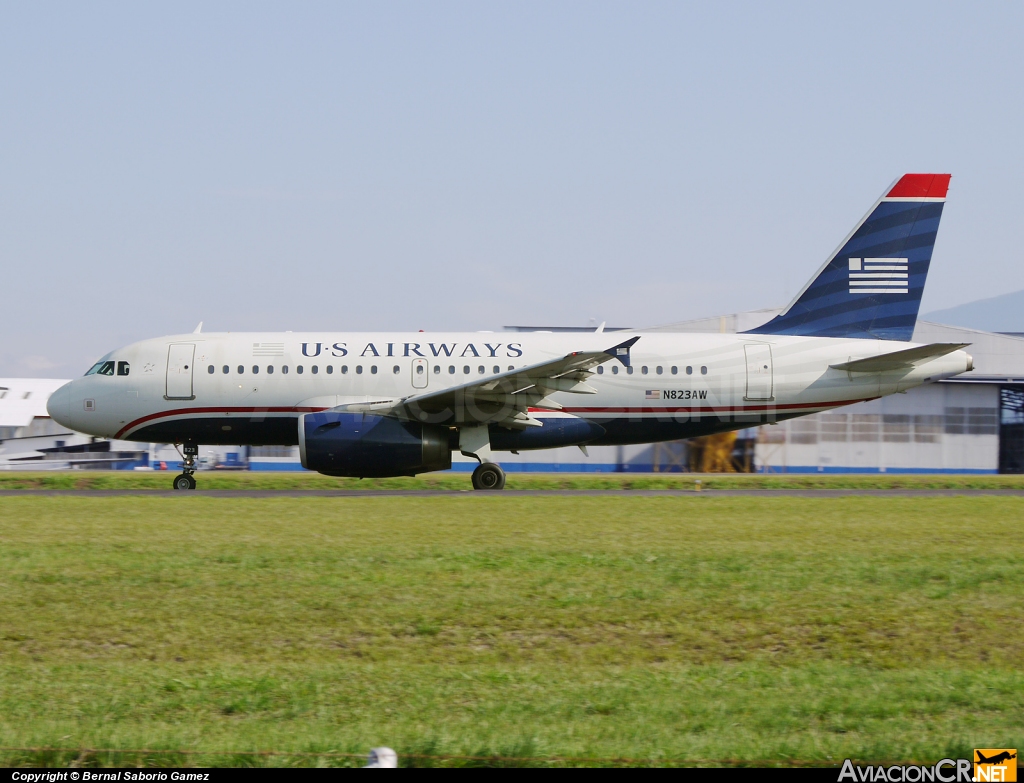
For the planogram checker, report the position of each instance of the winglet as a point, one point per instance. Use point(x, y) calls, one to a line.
point(621, 351)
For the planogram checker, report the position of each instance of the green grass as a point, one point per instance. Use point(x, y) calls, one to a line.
point(82, 479)
point(671, 629)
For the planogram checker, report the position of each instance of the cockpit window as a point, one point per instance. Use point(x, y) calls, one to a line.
point(123, 368)
point(104, 368)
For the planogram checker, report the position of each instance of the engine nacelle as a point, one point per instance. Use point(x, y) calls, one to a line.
point(368, 446)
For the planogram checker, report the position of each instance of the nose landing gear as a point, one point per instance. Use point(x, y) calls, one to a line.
point(185, 479)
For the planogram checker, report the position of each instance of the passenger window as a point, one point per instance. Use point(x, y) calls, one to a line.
point(510, 368)
point(284, 369)
point(241, 369)
point(373, 369)
point(211, 369)
point(255, 369)
point(644, 369)
point(344, 369)
point(451, 369)
point(225, 369)
point(675, 370)
point(437, 369)
point(330, 369)
point(629, 371)
point(123, 368)
point(298, 369)
point(480, 369)
point(660, 370)
point(615, 370)
point(689, 370)
point(600, 370)
point(465, 370)
point(359, 369)
point(703, 370)
point(270, 369)
point(315, 369)
point(419, 369)
point(497, 369)
point(396, 369)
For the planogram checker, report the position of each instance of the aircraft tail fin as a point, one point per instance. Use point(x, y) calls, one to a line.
point(871, 286)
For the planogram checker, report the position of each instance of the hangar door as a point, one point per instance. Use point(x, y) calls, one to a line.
point(179, 371)
point(759, 371)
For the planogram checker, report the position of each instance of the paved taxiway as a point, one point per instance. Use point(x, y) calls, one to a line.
point(427, 493)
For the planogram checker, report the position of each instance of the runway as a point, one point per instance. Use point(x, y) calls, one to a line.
point(414, 493)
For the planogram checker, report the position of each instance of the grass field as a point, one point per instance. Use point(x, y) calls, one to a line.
point(97, 479)
point(664, 629)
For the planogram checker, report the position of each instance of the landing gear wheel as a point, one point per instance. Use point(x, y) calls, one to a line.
point(184, 481)
point(488, 476)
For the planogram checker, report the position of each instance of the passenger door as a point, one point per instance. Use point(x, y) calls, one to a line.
point(759, 371)
point(179, 371)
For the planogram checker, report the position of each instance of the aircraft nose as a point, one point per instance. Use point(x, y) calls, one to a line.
point(59, 405)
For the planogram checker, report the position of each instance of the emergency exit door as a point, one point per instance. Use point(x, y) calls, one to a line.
point(179, 371)
point(759, 371)
point(419, 373)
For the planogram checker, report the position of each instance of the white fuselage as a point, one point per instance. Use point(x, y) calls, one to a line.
point(250, 388)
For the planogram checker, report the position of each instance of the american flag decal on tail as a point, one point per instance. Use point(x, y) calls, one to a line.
point(878, 276)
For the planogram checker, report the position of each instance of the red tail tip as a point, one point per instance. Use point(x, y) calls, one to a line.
point(920, 186)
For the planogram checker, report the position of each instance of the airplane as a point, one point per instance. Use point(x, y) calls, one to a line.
point(399, 404)
point(996, 759)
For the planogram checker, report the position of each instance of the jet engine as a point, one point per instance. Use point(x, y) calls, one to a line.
point(368, 446)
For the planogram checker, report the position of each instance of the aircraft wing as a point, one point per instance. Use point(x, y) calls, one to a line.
point(504, 398)
point(898, 360)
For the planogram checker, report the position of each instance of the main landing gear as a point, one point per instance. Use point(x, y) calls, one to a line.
point(186, 479)
point(488, 476)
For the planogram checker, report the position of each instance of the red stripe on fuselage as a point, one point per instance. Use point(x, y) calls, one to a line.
point(192, 411)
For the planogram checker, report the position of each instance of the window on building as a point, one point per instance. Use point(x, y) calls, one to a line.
point(865, 427)
point(804, 430)
point(896, 428)
point(833, 427)
point(927, 428)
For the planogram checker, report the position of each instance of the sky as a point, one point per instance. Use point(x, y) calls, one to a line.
point(466, 166)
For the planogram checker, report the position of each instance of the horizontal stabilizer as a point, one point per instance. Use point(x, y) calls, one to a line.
point(898, 360)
